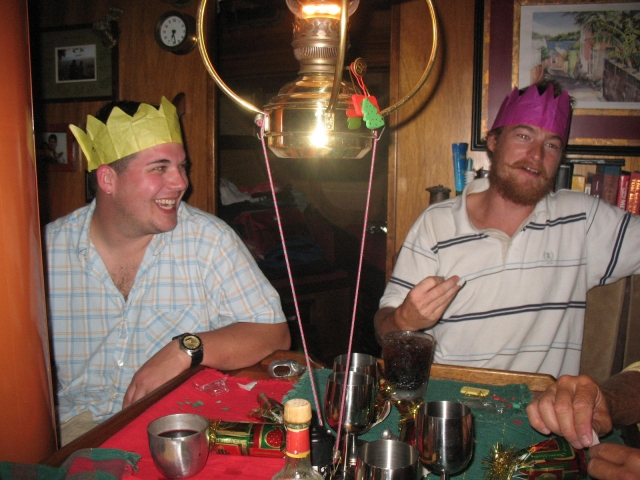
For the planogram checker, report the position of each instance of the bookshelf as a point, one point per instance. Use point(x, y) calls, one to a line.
point(613, 179)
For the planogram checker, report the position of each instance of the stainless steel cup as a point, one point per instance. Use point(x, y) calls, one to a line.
point(358, 402)
point(179, 444)
point(444, 436)
point(360, 362)
point(387, 460)
point(358, 411)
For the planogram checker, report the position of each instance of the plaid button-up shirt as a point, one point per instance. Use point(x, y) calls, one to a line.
point(197, 277)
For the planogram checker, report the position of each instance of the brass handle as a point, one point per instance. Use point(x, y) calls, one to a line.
point(208, 65)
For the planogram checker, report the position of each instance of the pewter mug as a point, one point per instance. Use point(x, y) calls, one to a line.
point(179, 444)
point(387, 460)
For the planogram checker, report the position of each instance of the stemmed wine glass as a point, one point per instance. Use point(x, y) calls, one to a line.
point(444, 437)
point(358, 410)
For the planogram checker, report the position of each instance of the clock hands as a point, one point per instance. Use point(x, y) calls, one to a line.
point(175, 32)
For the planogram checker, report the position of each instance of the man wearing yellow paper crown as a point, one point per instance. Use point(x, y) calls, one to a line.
point(142, 286)
point(580, 410)
point(499, 275)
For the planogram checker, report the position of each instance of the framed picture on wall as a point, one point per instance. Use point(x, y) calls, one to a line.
point(519, 42)
point(55, 148)
point(74, 65)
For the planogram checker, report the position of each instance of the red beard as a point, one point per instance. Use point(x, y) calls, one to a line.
point(526, 192)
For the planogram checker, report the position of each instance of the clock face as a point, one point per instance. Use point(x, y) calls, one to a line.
point(173, 31)
point(176, 32)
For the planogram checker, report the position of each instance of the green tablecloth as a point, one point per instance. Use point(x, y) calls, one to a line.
point(511, 427)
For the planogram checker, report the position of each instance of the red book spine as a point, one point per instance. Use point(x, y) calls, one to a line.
point(633, 205)
point(610, 188)
point(623, 190)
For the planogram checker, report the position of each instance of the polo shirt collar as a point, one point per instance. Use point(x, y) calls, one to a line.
point(464, 226)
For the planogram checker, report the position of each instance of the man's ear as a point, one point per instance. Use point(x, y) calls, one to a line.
point(106, 177)
point(491, 141)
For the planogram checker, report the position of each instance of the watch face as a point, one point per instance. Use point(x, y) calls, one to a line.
point(191, 342)
point(173, 31)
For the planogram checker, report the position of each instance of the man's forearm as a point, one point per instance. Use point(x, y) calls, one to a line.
point(622, 392)
point(384, 322)
point(243, 344)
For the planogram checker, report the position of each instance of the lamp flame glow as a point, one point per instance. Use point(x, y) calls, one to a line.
point(308, 9)
point(311, 11)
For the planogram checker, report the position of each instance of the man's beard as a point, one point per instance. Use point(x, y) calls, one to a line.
point(502, 178)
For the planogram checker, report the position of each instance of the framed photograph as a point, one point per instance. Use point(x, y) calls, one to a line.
point(519, 42)
point(55, 148)
point(73, 65)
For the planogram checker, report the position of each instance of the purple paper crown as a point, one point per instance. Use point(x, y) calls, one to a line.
point(533, 108)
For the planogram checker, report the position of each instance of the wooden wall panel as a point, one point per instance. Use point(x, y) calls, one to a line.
point(27, 423)
point(425, 128)
point(146, 72)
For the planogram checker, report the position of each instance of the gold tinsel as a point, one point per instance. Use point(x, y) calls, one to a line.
point(501, 462)
point(407, 409)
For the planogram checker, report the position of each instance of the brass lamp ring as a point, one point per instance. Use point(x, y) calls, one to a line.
point(339, 63)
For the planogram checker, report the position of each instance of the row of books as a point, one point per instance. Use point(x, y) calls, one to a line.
point(605, 180)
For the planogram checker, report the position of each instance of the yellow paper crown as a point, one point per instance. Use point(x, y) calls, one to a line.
point(124, 135)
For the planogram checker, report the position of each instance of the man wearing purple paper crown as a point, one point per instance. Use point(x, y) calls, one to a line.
point(580, 410)
point(525, 256)
point(142, 286)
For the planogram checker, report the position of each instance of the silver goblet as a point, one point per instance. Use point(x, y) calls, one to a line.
point(444, 437)
point(358, 411)
point(360, 362)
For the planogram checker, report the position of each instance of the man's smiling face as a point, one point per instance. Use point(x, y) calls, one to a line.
point(524, 164)
point(147, 194)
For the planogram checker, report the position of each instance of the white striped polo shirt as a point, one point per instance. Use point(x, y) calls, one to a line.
point(523, 305)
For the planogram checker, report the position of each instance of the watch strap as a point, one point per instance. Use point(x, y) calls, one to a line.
point(197, 357)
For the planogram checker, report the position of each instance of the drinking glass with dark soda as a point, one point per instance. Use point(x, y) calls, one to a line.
point(407, 363)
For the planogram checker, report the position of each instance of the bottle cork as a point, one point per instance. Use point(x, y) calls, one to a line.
point(297, 410)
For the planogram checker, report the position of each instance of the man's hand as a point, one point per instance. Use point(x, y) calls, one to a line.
point(159, 369)
point(571, 407)
point(610, 461)
point(422, 308)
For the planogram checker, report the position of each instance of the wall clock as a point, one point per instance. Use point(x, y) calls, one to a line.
point(176, 32)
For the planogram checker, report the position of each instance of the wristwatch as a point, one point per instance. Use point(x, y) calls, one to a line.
point(191, 344)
